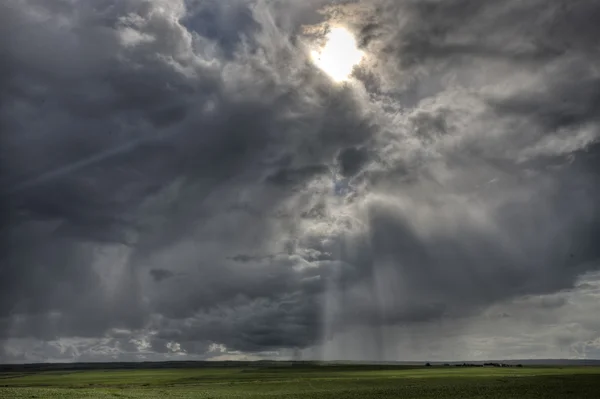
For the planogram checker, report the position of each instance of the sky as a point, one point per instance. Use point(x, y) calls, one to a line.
point(369, 180)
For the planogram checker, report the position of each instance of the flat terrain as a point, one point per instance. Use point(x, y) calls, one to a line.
point(307, 381)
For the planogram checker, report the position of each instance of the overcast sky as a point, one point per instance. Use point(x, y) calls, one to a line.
point(180, 180)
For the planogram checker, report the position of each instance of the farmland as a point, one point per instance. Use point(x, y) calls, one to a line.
point(305, 381)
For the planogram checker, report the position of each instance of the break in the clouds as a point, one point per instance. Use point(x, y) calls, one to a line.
point(180, 179)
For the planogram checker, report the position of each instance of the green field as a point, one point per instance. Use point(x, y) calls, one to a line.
point(307, 382)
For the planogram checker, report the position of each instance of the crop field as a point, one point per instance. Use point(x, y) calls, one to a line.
point(313, 382)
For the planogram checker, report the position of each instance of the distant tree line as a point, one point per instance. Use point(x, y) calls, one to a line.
point(501, 365)
point(478, 365)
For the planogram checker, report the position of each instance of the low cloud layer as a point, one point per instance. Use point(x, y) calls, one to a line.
point(178, 180)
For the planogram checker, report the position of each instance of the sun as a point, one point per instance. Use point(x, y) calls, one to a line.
point(339, 56)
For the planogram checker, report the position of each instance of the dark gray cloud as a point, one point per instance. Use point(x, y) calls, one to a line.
point(178, 179)
point(159, 274)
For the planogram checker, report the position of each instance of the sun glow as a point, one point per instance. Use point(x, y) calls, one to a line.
point(339, 56)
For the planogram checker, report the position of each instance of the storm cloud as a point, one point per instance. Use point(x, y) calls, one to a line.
point(179, 180)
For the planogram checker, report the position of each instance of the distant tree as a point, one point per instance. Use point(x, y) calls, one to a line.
point(428, 365)
point(519, 365)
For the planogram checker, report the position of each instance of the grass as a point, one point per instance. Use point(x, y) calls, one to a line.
point(312, 382)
